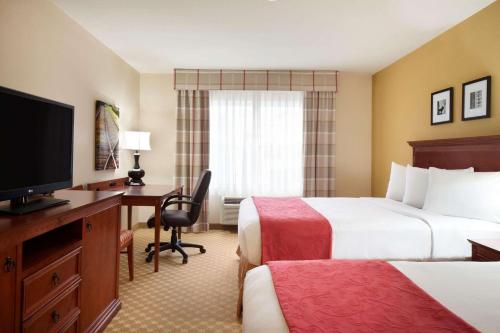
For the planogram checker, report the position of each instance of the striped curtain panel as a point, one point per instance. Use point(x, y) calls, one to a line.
point(192, 145)
point(319, 144)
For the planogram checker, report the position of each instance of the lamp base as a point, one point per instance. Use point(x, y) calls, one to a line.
point(136, 178)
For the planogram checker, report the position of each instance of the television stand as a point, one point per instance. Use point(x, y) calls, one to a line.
point(24, 205)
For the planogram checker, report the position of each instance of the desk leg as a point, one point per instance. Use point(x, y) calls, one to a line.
point(129, 217)
point(157, 235)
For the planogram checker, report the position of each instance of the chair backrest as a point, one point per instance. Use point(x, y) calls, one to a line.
point(198, 195)
point(108, 185)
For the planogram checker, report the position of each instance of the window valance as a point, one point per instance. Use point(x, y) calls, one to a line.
point(222, 79)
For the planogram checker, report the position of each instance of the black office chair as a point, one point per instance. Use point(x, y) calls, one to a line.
point(180, 218)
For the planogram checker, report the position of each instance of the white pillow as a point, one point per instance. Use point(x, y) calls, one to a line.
point(397, 180)
point(416, 184)
point(471, 195)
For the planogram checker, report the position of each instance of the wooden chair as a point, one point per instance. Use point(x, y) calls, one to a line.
point(126, 236)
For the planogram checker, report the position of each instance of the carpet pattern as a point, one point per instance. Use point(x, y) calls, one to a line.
point(200, 296)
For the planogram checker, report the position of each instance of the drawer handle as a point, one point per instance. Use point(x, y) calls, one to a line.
point(9, 264)
point(89, 227)
point(55, 279)
point(56, 316)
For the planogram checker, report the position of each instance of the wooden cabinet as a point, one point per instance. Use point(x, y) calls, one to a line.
point(100, 267)
point(8, 261)
point(60, 266)
point(485, 249)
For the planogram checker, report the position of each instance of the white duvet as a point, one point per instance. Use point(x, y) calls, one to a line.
point(471, 290)
point(378, 228)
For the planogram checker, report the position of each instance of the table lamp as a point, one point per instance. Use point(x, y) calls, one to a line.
point(136, 141)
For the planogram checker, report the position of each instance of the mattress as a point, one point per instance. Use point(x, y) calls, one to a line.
point(378, 228)
point(468, 289)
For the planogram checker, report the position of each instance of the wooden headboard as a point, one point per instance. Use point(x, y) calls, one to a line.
point(482, 153)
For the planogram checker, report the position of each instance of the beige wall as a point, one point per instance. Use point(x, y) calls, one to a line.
point(45, 53)
point(354, 135)
point(402, 91)
point(158, 115)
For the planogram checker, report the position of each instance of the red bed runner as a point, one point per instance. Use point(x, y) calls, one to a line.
point(356, 296)
point(292, 230)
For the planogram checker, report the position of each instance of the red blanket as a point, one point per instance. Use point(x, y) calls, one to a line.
point(292, 230)
point(357, 296)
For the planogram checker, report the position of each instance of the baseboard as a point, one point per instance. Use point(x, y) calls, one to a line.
point(202, 228)
point(139, 225)
point(218, 226)
point(105, 318)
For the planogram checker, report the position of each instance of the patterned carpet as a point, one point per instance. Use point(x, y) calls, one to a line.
point(200, 296)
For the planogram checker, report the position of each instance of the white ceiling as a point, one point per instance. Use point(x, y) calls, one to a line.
point(155, 36)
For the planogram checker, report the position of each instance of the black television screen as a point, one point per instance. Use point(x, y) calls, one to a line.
point(36, 145)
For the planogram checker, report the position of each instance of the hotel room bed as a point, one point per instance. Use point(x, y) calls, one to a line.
point(377, 228)
point(470, 290)
point(380, 228)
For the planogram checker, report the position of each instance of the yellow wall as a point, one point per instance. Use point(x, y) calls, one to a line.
point(402, 91)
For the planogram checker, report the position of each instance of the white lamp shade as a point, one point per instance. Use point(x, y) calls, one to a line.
point(135, 140)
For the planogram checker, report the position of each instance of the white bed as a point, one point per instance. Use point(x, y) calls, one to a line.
point(378, 228)
point(471, 290)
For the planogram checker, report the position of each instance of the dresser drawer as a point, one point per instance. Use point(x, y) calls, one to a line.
point(72, 327)
point(42, 286)
point(61, 315)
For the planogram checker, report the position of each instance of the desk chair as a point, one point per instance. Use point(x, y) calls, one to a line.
point(126, 236)
point(177, 219)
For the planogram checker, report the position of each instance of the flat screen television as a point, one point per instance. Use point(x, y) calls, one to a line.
point(36, 149)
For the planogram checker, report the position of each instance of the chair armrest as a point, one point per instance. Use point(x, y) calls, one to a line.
point(174, 202)
point(176, 196)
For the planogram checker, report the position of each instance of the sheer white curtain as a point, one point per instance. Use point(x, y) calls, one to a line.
point(256, 143)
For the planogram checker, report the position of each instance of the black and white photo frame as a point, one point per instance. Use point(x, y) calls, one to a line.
point(476, 99)
point(442, 106)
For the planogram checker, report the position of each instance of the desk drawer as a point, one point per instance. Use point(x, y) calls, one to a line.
point(61, 315)
point(42, 286)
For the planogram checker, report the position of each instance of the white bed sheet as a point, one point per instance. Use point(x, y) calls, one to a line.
point(469, 289)
point(378, 228)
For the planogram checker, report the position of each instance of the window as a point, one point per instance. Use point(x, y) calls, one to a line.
point(256, 143)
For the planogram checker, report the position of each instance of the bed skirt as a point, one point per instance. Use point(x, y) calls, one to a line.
point(244, 267)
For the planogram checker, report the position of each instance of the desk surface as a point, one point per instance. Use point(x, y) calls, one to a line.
point(154, 191)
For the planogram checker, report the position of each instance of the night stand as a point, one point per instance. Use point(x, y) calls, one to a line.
point(485, 249)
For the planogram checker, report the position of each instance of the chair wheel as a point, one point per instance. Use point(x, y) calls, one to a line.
point(149, 258)
point(203, 250)
point(184, 261)
point(147, 250)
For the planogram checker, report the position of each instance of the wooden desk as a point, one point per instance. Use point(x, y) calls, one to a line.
point(152, 196)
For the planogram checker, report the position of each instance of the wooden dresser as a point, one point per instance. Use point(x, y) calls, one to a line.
point(59, 267)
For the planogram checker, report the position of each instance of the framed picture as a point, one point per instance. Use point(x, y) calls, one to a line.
point(107, 129)
point(476, 99)
point(442, 106)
